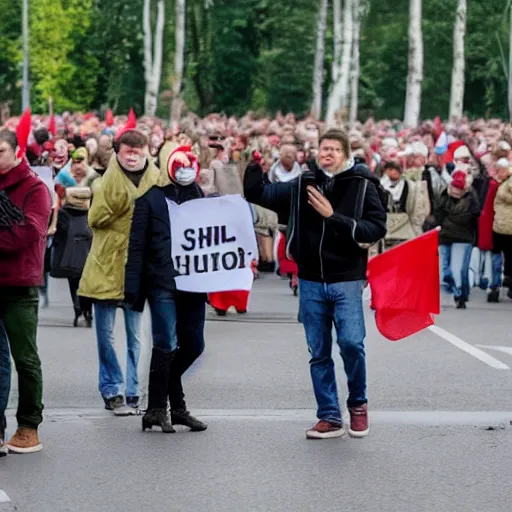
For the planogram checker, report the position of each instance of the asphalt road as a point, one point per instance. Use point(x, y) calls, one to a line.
point(440, 405)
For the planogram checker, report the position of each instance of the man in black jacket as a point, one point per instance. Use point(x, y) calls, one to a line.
point(334, 213)
point(177, 317)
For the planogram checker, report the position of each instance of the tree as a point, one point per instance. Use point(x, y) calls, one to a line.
point(338, 99)
point(318, 77)
point(337, 38)
point(415, 74)
point(152, 55)
point(459, 61)
point(179, 55)
point(354, 78)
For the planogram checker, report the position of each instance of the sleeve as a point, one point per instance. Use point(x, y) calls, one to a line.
point(36, 210)
point(136, 248)
point(273, 196)
point(475, 208)
point(371, 227)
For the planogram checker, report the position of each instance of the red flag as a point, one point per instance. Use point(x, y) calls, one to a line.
point(405, 286)
point(23, 131)
point(132, 121)
point(109, 118)
point(52, 128)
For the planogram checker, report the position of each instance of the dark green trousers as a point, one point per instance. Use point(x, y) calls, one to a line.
point(19, 312)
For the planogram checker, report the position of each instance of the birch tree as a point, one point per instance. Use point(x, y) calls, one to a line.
point(415, 74)
point(178, 61)
point(338, 98)
point(152, 55)
point(337, 38)
point(459, 62)
point(318, 77)
point(354, 78)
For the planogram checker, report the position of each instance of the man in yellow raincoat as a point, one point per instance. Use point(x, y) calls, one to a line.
point(130, 174)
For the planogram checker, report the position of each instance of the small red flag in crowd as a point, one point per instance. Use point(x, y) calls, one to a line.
point(23, 131)
point(52, 128)
point(405, 287)
point(109, 118)
point(132, 120)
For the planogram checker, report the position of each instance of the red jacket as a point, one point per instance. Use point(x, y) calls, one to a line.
point(22, 247)
point(486, 219)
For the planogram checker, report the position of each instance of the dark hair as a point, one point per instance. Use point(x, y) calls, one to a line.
point(340, 136)
point(132, 138)
point(9, 137)
point(393, 166)
point(41, 135)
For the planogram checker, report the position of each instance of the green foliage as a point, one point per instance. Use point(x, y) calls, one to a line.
point(246, 55)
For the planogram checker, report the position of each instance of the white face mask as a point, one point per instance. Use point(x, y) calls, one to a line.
point(185, 175)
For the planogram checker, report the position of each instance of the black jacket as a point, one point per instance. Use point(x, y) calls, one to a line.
point(150, 263)
point(326, 250)
point(71, 243)
point(458, 218)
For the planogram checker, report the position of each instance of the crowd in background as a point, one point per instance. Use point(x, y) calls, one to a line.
point(439, 174)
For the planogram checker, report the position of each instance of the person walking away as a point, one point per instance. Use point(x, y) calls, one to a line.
point(334, 213)
point(491, 258)
point(408, 205)
point(502, 226)
point(129, 175)
point(178, 318)
point(71, 246)
point(25, 206)
point(457, 213)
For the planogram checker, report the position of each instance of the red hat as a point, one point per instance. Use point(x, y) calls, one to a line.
point(459, 180)
point(173, 164)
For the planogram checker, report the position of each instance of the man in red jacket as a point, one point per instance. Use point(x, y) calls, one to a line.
point(25, 206)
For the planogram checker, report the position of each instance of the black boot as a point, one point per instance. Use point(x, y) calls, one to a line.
point(88, 319)
point(493, 296)
point(78, 314)
point(460, 304)
point(156, 413)
point(182, 416)
point(157, 418)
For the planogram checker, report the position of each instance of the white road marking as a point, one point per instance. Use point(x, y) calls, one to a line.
point(499, 348)
point(4, 498)
point(470, 349)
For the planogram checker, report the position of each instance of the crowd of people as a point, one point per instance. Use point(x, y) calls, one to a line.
point(323, 201)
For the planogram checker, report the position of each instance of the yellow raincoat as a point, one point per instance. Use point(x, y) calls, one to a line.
point(110, 219)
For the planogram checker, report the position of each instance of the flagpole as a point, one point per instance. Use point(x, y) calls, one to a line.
point(25, 94)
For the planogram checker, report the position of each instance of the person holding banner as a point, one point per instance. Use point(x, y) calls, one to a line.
point(334, 212)
point(177, 317)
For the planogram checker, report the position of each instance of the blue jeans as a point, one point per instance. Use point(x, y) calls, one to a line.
point(111, 381)
point(455, 260)
point(491, 270)
point(162, 305)
point(321, 305)
point(5, 370)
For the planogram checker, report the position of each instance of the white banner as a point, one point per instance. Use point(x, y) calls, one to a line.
point(46, 174)
point(213, 244)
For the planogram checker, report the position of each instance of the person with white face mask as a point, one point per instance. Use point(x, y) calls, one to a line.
point(178, 318)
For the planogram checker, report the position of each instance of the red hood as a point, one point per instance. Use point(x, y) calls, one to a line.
point(19, 173)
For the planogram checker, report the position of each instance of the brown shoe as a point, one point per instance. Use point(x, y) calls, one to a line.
point(25, 440)
point(359, 425)
point(325, 430)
